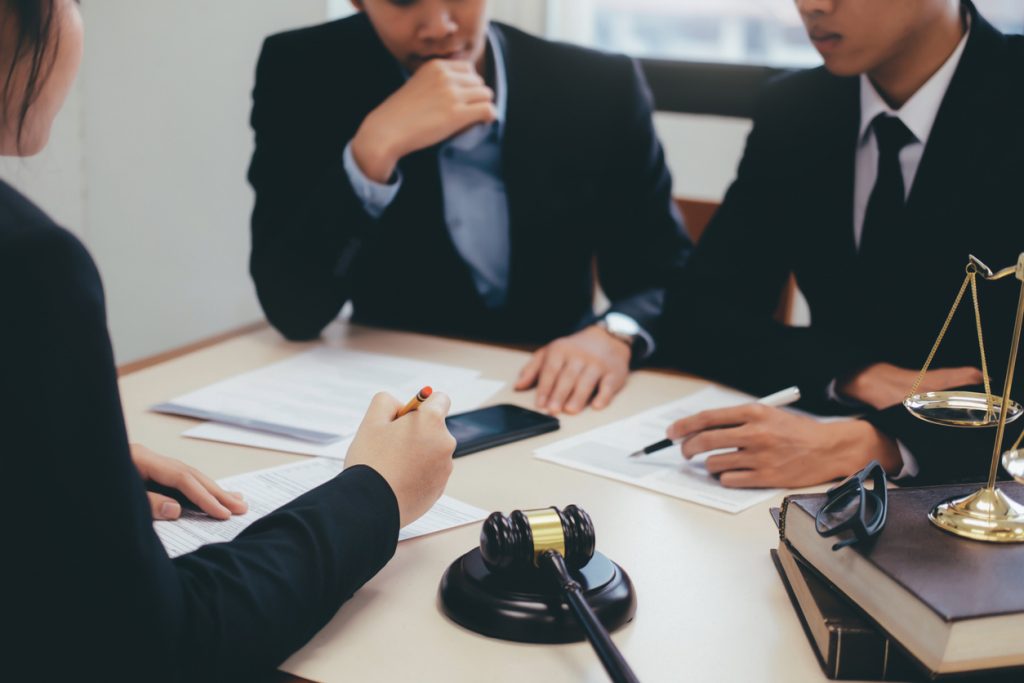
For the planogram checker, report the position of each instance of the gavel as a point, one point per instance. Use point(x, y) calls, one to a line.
point(552, 541)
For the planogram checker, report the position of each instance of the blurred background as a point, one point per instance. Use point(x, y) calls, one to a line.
point(147, 161)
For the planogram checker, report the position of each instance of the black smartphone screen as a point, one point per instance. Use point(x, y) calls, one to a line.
point(489, 427)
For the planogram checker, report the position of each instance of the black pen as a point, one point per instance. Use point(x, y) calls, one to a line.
point(777, 400)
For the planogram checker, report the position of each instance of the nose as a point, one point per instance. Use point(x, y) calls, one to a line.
point(436, 20)
point(812, 8)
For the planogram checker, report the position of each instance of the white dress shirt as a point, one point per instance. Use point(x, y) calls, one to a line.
point(918, 115)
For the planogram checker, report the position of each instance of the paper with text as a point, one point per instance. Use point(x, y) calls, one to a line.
point(605, 451)
point(465, 395)
point(266, 490)
point(318, 396)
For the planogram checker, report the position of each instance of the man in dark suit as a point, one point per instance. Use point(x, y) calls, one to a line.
point(453, 175)
point(872, 180)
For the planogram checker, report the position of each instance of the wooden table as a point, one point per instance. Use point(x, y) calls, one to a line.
point(710, 604)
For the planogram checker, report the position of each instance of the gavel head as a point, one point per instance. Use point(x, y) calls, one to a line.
point(517, 541)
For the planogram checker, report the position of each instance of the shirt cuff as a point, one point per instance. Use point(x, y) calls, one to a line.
point(647, 342)
point(833, 395)
point(910, 467)
point(376, 197)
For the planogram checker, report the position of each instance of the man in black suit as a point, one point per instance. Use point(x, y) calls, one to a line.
point(449, 174)
point(872, 180)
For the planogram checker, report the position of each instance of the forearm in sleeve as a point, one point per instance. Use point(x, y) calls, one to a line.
point(248, 604)
point(642, 243)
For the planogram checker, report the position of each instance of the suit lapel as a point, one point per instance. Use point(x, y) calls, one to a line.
point(525, 179)
point(952, 154)
point(830, 150)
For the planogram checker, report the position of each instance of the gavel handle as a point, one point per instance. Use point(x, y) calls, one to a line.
point(614, 663)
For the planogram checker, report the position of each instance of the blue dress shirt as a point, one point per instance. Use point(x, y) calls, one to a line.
point(475, 202)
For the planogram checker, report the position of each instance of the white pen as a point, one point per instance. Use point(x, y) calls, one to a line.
point(777, 400)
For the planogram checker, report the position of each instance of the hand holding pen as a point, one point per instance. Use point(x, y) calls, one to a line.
point(774, 448)
point(409, 446)
point(416, 401)
point(777, 400)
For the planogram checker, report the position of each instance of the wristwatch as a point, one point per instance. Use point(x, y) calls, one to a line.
point(620, 326)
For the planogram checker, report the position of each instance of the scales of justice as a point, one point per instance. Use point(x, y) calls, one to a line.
point(987, 514)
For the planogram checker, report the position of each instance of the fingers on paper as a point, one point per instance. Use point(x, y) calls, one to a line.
point(163, 508)
point(189, 484)
point(233, 501)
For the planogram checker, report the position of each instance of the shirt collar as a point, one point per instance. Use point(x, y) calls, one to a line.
point(500, 76)
point(919, 112)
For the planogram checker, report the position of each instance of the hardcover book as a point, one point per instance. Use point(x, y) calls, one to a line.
point(954, 604)
point(847, 644)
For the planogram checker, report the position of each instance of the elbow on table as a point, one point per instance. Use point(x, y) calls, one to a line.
point(296, 329)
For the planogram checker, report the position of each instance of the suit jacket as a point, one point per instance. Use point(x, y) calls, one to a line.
point(790, 210)
point(584, 173)
point(87, 583)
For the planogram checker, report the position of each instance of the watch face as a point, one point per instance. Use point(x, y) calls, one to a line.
point(621, 325)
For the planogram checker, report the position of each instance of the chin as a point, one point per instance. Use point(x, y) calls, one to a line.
point(839, 66)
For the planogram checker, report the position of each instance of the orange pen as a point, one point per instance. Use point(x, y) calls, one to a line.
point(416, 401)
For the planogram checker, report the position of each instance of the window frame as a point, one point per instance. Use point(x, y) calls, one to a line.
point(693, 87)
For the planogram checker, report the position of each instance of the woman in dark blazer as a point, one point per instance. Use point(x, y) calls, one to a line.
point(88, 589)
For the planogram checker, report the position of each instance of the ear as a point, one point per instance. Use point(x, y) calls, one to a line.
point(358, 4)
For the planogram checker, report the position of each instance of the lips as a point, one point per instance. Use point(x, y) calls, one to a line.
point(824, 39)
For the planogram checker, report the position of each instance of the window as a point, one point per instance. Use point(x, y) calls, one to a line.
point(761, 32)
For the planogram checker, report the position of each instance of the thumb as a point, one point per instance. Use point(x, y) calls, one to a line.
point(163, 507)
point(383, 409)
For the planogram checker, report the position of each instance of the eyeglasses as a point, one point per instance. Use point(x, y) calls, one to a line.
point(853, 507)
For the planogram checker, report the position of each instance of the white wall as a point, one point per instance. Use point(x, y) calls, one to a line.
point(702, 152)
point(147, 162)
point(166, 104)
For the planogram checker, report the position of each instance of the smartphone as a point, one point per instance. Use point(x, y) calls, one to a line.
point(477, 430)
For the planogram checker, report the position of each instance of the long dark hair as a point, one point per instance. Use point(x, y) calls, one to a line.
point(35, 42)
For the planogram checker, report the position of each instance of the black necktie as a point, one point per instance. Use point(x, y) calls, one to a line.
point(883, 229)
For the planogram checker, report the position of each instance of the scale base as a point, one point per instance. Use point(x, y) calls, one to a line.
point(985, 515)
point(526, 606)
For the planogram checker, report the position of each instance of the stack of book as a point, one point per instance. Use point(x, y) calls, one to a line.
point(914, 603)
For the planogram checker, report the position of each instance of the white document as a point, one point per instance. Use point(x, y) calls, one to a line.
point(465, 395)
point(266, 490)
point(605, 451)
point(318, 396)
